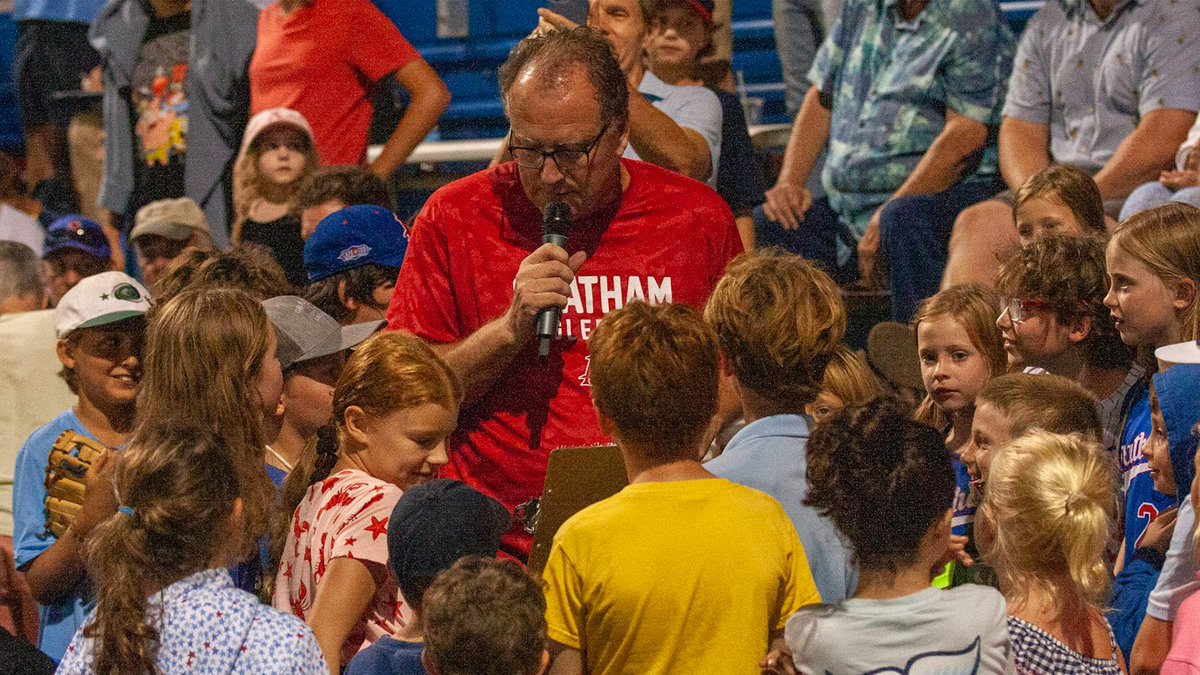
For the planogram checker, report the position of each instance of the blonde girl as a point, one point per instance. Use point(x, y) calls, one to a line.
point(1044, 525)
point(394, 405)
point(1058, 200)
point(278, 153)
point(1153, 264)
point(210, 366)
point(165, 603)
point(847, 382)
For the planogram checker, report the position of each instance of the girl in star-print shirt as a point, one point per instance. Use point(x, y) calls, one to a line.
point(394, 405)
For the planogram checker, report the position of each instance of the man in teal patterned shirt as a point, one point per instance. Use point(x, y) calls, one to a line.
point(907, 98)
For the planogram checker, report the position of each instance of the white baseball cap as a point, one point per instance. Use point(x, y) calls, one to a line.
point(100, 299)
point(1180, 353)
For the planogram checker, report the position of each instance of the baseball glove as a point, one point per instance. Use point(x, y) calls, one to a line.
point(66, 478)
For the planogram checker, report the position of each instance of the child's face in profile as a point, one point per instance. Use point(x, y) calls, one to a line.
point(1036, 339)
point(952, 368)
point(268, 387)
point(407, 446)
point(989, 430)
point(281, 158)
point(826, 405)
point(677, 36)
point(1043, 216)
point(308, 392)
point(1143, 307)
point(1157, 450)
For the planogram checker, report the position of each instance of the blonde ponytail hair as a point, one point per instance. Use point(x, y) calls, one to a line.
point(1049, 505)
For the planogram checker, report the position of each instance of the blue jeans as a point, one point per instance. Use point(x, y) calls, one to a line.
point(915, 239)
point(816, 239)
point(1154, 193)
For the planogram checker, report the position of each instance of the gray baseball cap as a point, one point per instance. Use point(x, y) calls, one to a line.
point(305, 332)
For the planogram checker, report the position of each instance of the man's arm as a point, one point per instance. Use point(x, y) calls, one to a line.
point(788, 201)
point(1024, 150)
point(659, 140)
point(564, 660)
point(542, 281)
point(1144, 153)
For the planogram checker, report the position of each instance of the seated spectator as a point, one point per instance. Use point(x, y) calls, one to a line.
point(888, 485)
point(1059, 199)
point(21, 285)
point(352, 260)
point(1054, 320)
point(778, 321)
point(1179, 185)
point(162, 230)
point(278, 152)
point(433, 526)
point(1044, 525)
point(75, 249)
point(312, 352)
point(162, 139)
point(393, 407)
point(252, 270)
point(677, 128)
point(18, 211)
point(848, 382)
point(485, 616)
point(333, 188)
point(681, 35)
point(322, 58)
point(164, 602)
point(1122, 125)
point(101, 328)
point(654, 385)
point(907, 126)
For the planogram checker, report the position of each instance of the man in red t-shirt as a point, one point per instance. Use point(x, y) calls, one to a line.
point(476, 273)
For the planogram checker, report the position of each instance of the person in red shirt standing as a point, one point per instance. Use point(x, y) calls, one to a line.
point(476, 273)
point(322, 59)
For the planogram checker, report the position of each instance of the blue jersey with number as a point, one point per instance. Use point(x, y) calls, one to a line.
point(1142, 502)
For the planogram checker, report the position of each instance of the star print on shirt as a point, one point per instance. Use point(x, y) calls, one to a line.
point(377, 527)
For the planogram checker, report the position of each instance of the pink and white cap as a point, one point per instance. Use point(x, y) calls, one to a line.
point(269, 118)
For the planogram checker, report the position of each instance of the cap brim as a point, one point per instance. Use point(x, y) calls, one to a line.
point(111, 318)
point(348, 337)
point(174, 231)
point(1182, 353)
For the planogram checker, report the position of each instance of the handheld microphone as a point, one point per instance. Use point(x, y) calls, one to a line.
point(556, 225)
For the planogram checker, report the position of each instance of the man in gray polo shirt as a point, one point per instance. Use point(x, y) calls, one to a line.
point(1108, 86)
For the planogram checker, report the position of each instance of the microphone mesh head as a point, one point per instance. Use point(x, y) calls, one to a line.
point(556, 219)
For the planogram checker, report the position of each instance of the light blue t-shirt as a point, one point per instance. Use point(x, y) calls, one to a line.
point(770, 455)
point(962, 631)
point(694, 108)
point(56, 623)
point(75, 11)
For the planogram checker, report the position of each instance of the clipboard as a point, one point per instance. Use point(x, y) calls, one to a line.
point(575, 479)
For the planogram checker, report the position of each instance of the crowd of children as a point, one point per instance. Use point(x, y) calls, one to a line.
point(270, 500)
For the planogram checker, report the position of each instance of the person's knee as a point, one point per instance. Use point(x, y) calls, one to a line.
point(977, 222)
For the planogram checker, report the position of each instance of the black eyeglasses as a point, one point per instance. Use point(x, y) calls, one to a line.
point(564, 158)
point(77, 234)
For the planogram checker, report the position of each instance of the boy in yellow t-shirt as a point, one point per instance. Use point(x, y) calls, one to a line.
point(681, 571)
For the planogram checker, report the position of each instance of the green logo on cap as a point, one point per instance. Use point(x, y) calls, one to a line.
point(127, 292)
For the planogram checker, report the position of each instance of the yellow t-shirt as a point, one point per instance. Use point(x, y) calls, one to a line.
point(679, 577)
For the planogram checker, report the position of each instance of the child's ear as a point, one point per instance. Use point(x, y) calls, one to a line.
point(1185, 293)
point(63, 349)
point(545, 662)
point(606, 424)
point(1079, 329)
point(344, 299)
point(357, 421)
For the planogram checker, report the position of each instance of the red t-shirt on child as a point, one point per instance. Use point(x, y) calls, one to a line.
point(668, 241)
point(322, 61)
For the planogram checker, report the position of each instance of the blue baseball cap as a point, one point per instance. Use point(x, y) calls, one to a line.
point(78, 233)
point(353, 237)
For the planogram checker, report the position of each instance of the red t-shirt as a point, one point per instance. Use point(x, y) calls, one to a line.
point(323, 61)
point(668, 241)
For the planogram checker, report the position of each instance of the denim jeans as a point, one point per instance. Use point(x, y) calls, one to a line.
point(1154, 193)
point(915, 240)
